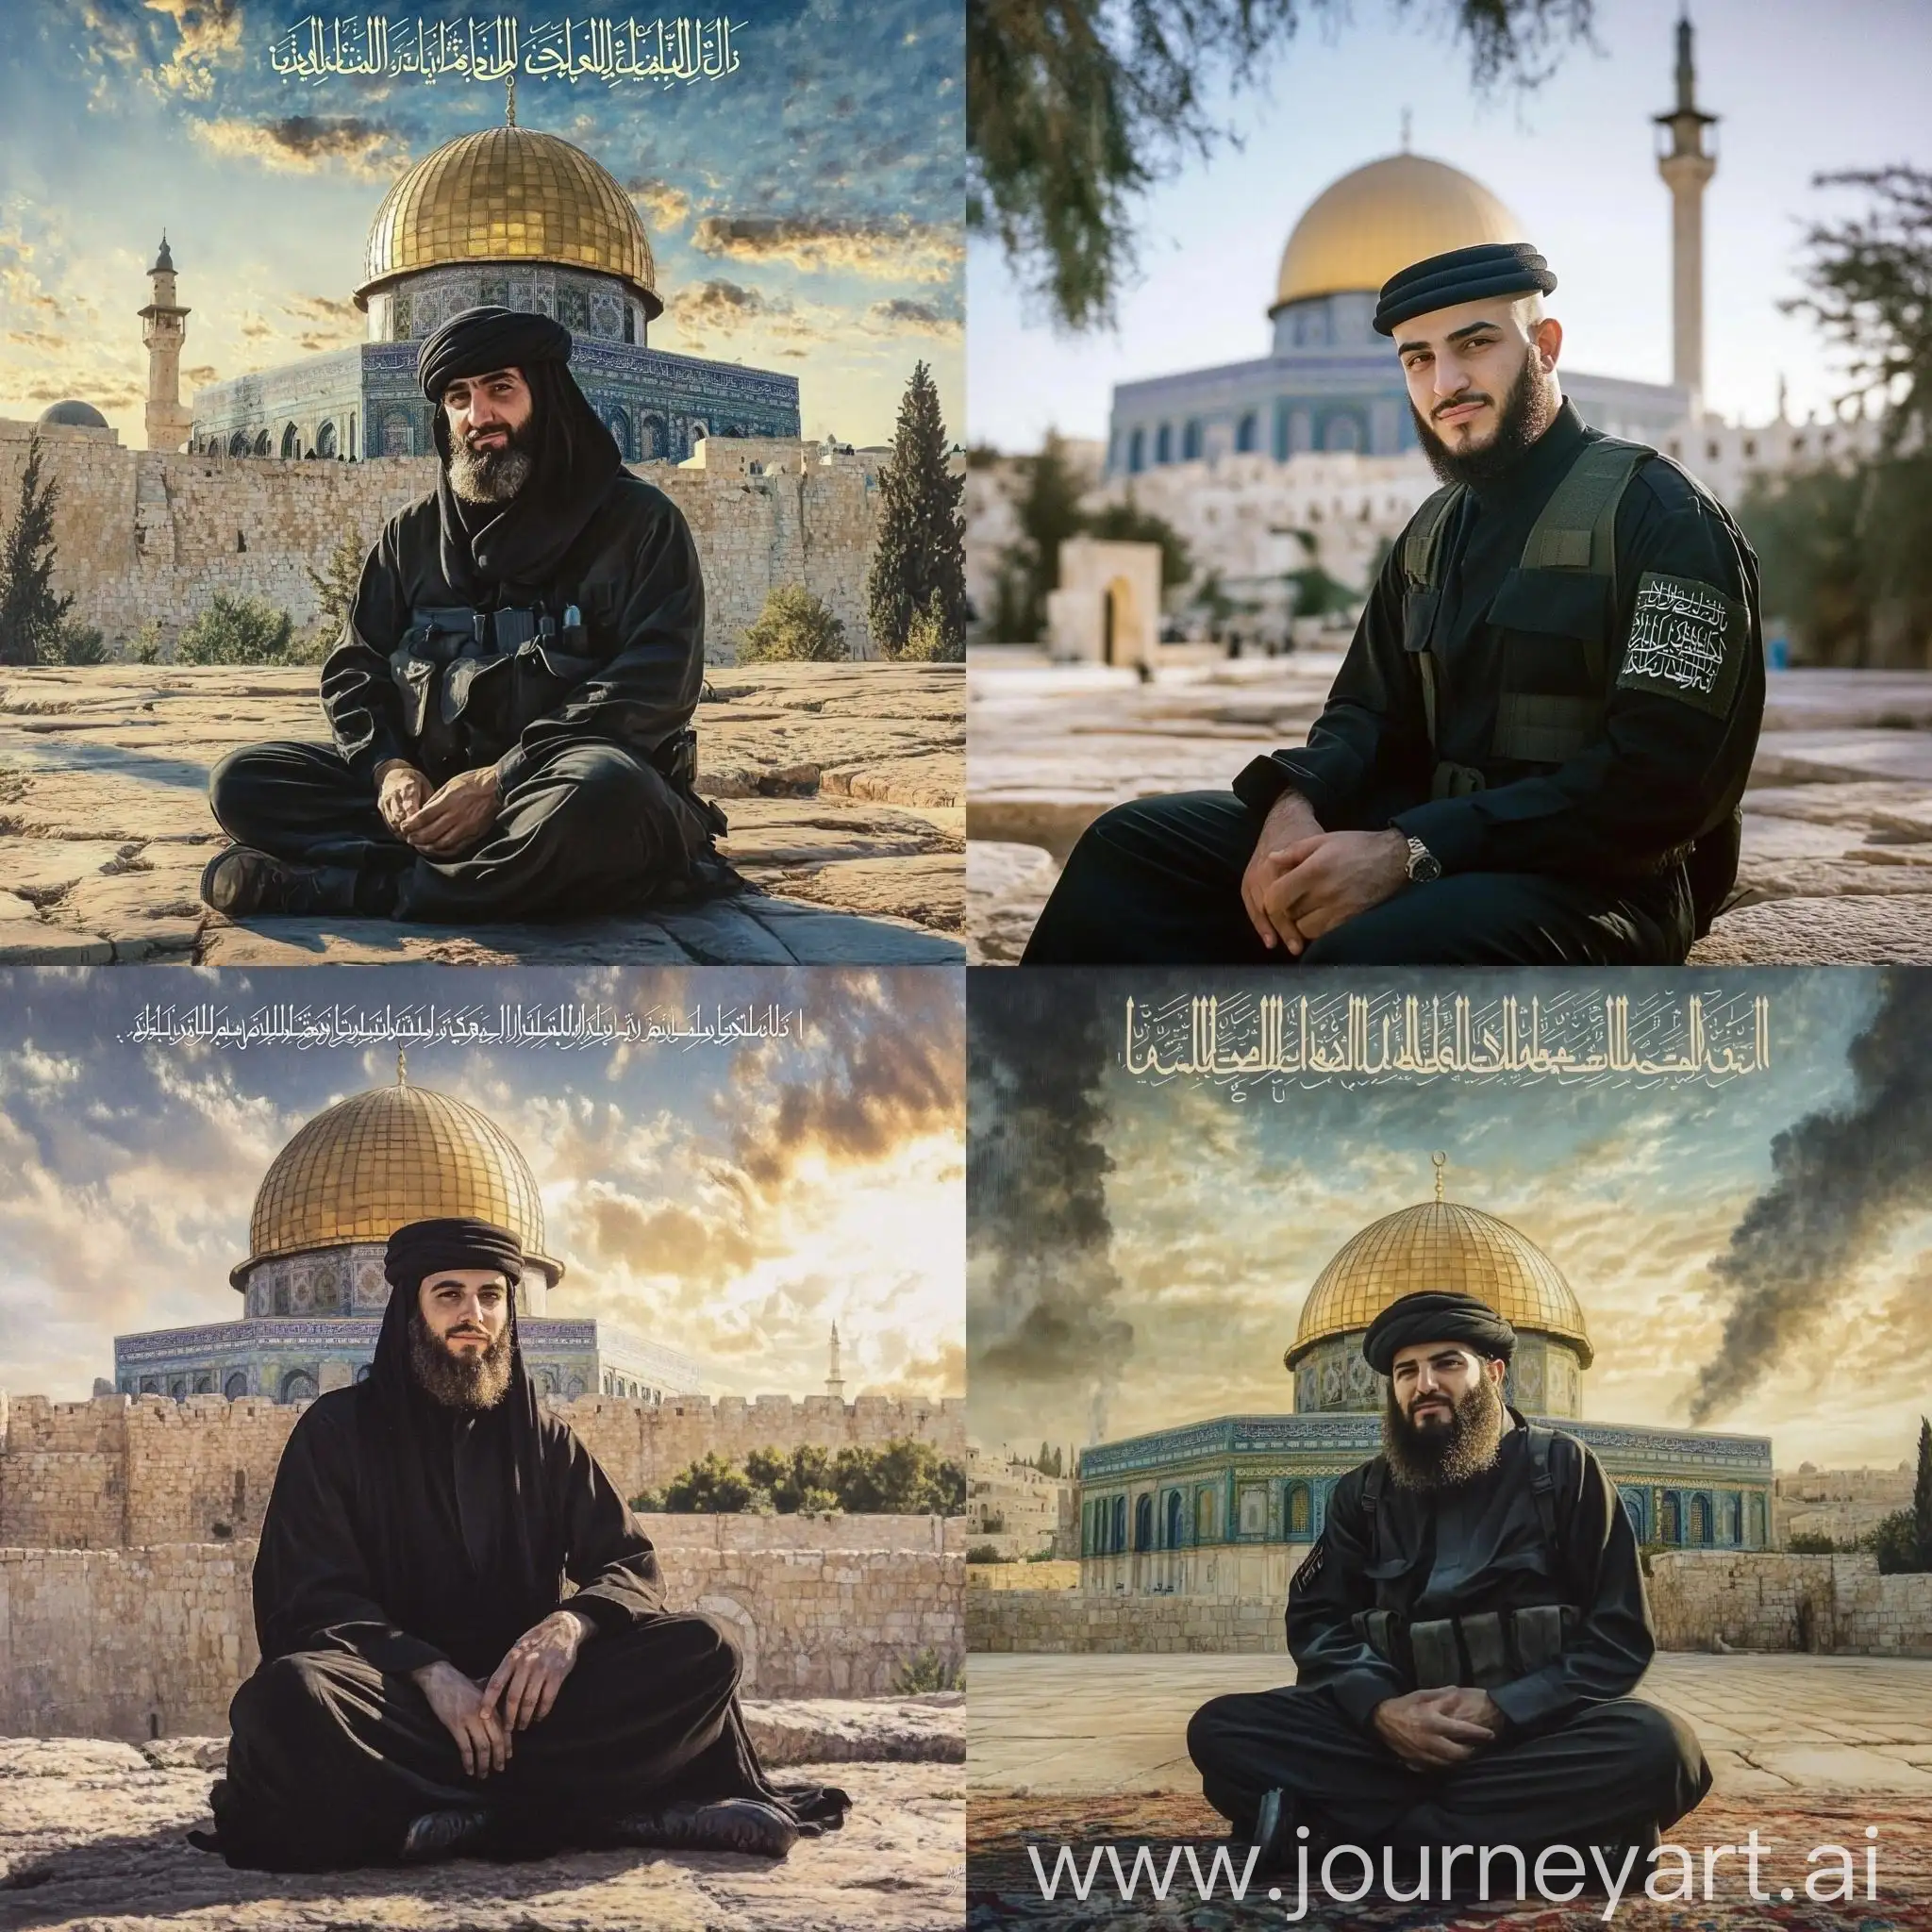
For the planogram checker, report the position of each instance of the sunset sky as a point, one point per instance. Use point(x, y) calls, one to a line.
point(1223, 1212)
point(805, 211)
point(729, 1199)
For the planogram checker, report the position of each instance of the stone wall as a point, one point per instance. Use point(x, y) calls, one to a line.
point(1773, 1600)
point(122, 1471)
point(147, 534)
point(1071, 1621)
point(1020, 1575)
point(1755, 1599)
point(153, 1641)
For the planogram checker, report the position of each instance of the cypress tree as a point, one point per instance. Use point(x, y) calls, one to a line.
point(1921, 1497)
point(30, 614)
point(919, 564)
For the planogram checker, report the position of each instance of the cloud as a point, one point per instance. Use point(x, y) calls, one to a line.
point(901, 317)
point(722, 307)
point(303, 144)
point(881, 250)
point(663, 206)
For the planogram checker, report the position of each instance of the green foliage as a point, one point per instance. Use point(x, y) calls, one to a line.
point(1075, 110)
point(1921, 1495)
point(1846, 553)
point(1127, 523)
point(984, 1553)
point(1895, 1543)
point(918, 573)
point(144, 647)
point(902, 1478)
point(929, 642)
point(31, 617)
point(1811, 1542)
point(1318, 594)
point(927, 1672)
point(336, 585)
point(80, 644)
point(241, 630)
point(795, 627)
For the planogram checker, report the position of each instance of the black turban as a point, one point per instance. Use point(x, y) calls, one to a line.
point(480, 341)
point(424, 1248)
point(1463, 275)
point(1434, 1314)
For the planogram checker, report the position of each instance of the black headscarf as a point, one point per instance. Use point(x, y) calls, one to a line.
point(574, 457)
point(1434, 1314)
point(473, 1471)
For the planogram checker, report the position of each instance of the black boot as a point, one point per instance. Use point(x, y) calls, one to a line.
point(243, 881)
point(720, 1824)
point(1274, 1831)
point(456, 1834)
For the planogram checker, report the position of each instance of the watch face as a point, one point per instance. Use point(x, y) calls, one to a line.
point(1423, 864)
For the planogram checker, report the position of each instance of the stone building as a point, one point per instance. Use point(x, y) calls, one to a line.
point(1229, 1507)
point(506, 215)
point(312, 1285)
point(1012, 1506)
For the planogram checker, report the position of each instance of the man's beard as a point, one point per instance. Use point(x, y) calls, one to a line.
point(491, 476)
point(1524, 413)
point(1443, 1454)
point(472, 1382)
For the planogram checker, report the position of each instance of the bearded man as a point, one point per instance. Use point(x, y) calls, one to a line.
point(1467, 1631)
point(1536, 747)
point(426, 1688)
point(512, 693)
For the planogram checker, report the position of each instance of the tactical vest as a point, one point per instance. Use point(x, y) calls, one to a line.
point(1556, 610)
point(1487, 1647)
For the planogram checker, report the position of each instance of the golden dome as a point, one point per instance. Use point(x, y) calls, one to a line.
point(1440, 1244)
point(509, 195)
point(379, 1160)
point(1360, 230)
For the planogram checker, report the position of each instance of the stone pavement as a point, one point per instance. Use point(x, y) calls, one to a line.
point(845, 785)
point(1770, 1724)
point(91, 1835)
point(1838, 823)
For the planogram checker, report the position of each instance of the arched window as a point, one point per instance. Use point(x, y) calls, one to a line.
point(1120, 1524)
point(1667, 1530)
point(236, 1387)
point(326, 440)
point(398, 434)
point(292, 443)
point(1174, 1519)
point(178, 1388)
point(1341, 432)
point(1247, 434)
point(1700, 1521)
point(238, 443)
point(1731, 1511)
point(1137, 452)
point(1754, 1516)
point(1190, 440)
point(1143, 1522)
point(1298, 1512)
point(1204, 1517)
point(298, 1385)
point(261, 444)
point(205, 1383)
point(364, 1374)
point(1163, 444)
point(1633, 1508)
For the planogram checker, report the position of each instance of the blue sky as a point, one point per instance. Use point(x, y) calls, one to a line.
point(1223, 1213)
point(731, 1199)
point(805, 210)
point(1801, 88)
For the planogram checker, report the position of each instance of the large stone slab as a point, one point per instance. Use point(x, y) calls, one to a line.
point(844, 783)
point(1839, 808)
point(108, 1848)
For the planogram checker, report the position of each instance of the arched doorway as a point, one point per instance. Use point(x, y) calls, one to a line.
point(292, 443)
point(298, 1385)
point(1174, 1519)
point(236, 1387)
point(326, 440)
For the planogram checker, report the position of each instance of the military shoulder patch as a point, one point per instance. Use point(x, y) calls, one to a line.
point(1687, 640)
point(1308, 1569)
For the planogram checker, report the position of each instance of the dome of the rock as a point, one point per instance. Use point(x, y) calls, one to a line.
point(75, 415)
point(509, 195)
point(1360, 230)
point(1440, 1244)
point(378, 1160)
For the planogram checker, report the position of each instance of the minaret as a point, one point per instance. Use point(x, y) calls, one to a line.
point(163, 328)
point(835, 1383)
point(1686, 169)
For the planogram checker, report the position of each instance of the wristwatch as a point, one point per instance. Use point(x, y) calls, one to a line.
point(1423, 864)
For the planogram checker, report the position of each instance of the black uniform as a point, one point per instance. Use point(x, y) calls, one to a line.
point(588, 728)
point(1580, 1761)
point(1557, 843)
point(400, 1532)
